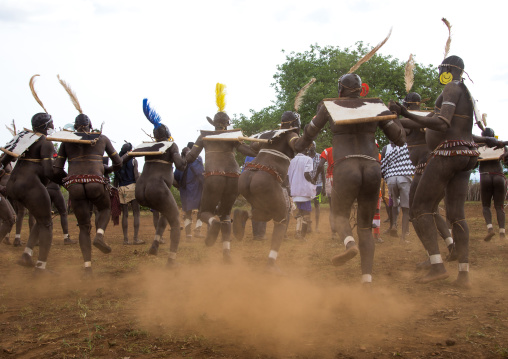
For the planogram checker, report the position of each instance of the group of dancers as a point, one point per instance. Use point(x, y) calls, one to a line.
point(447, 154)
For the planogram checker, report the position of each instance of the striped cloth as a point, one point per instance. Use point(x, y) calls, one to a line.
point(396, 162)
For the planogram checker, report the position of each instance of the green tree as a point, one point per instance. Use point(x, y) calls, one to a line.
point(383, 74)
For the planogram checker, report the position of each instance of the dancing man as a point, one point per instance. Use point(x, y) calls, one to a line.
point(154, 183)
point(220, 187)
point(86, 183)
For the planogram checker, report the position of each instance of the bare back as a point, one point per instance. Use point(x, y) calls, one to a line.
point(455, 107)
point(87, 159)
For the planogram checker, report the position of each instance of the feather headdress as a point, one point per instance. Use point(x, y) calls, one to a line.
point(220, 96)
point(449, 40)
point(409, 76)
point(71, 93)
point(12, 129)
point(370, 54)
point(301, 94)
point(151, 115)
point(31, 84)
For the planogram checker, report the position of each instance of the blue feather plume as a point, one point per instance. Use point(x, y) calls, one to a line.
point(151, 115)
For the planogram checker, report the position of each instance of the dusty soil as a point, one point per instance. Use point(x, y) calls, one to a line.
point(135, 308)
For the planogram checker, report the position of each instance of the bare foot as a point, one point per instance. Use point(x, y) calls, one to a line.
point(213, 232)
point(452, 253)
point(462, 280)
point(436, 272)
point(154, 249)
point(423, 265)
point(489, 235)
point(350, 252)
point(26, 260)
point(99, 243)
point(273, 268)
point(226, 256)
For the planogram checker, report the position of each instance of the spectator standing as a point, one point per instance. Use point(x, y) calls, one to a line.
point(318, 178)
point(302, 191)
point(397, 169)
point(190, 185)
point(125, 180)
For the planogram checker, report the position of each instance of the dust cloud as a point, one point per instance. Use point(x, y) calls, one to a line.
point(235, 304)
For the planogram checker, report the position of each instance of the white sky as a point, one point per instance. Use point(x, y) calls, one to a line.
point(115, 53)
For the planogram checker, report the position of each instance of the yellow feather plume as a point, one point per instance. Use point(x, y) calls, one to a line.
point(220, 96)
point(370, 54)
point(449, 41)
point(301, 94)
point(409, 76)
point(32, 88)
point(71, 93)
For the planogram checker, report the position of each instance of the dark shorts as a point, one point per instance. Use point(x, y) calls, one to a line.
point(318, 190)
point(304, 206)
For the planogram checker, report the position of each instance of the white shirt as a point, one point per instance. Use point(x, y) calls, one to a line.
point(301, 189)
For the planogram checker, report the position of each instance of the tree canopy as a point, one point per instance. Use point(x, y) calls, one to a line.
point(383, 74)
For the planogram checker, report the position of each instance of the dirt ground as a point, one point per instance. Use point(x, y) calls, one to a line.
point(135, 308)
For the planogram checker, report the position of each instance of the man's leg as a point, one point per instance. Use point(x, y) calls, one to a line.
point(487, 192)
point(20, 215)
point(7, 215)
point(38, 203)
point(368, 199)
point(125, 222)
point(347, 180)
point(59, 201)
point(439, 175)
point(136, 213)
point(317, 206)
point(187, 224)
point(227, 201)
point(499, 195)
point(213, 189)
point(99, 196)
point(456, 193)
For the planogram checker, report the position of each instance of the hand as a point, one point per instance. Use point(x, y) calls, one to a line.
point(403, 110)
point(504, 157)
point(493, 142)
point(500, 144)
point(395, 108)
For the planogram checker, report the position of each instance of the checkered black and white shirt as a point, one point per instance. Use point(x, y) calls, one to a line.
point(396, 162)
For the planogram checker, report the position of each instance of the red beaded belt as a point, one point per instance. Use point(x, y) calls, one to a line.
point(493, 173)
point(420, 167)
point(70, 180)
point(113, 192)
point(259, 167)
point(442, 149)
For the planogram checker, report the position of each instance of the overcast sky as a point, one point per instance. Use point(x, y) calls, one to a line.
point(115, 53)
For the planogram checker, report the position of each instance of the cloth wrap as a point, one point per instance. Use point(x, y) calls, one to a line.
point(113, 192)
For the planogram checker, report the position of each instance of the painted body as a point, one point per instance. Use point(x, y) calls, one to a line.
point(265, 191)
point(354, 178)
point(153, 190)
point(85, 159)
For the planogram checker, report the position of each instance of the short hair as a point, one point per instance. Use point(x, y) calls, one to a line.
point(488, 132)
